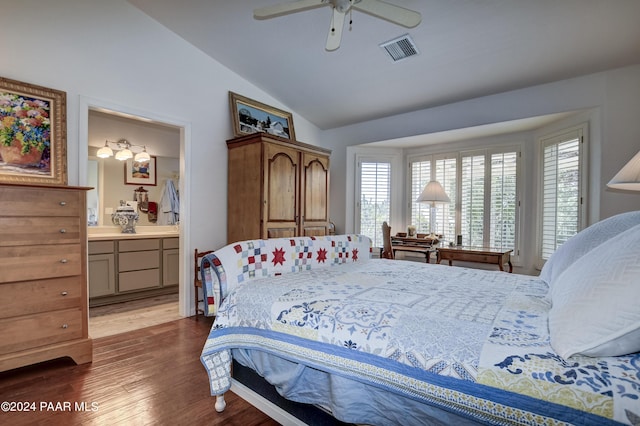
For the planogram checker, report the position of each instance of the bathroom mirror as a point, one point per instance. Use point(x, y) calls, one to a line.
point(108, 175)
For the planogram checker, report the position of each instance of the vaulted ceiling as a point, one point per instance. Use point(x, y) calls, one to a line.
point(467, 49)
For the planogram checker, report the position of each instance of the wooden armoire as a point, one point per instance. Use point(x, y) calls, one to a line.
point(276, 188)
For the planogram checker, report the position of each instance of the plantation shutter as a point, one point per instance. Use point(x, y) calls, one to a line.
point(472, 200)
point(561, 190)
point(420, 176)
point(375, 199)
point(445, 173)
point(504, 200)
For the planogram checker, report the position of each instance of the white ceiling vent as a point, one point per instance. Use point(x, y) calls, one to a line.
point(400, 48)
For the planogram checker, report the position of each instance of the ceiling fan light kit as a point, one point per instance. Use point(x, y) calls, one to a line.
point(387, 11)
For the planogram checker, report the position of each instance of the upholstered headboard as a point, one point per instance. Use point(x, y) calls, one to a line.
point(240, 262)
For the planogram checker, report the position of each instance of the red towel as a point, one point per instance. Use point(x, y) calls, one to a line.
point(153, 212)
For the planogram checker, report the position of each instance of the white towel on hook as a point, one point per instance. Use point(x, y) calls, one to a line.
point(169, 208)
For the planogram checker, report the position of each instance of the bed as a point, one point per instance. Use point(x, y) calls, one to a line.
point(377, 341)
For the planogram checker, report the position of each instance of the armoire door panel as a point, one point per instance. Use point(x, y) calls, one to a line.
point(281, 184)
point(315, 231)
point(282, 232)
point(315, 190)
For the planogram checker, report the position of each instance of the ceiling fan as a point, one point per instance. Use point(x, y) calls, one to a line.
point(392, 13)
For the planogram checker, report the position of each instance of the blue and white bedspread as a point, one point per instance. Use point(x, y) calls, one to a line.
point(518, 357)
point(469, 341)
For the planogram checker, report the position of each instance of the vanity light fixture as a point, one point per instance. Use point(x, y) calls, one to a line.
point(124, 153)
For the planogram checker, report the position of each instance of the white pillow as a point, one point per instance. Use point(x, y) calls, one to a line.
point(596, 301)
point(584, 241)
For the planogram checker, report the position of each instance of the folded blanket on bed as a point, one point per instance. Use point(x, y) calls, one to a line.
point(253, 259)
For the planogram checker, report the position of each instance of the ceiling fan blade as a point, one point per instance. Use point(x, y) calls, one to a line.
point(335, 32)
point(286, 8)
point(390, 12)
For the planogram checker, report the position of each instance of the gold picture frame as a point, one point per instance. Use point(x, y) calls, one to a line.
point(250, 116)
point(33, 134)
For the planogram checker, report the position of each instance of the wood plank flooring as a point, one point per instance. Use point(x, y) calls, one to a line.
point(127, 316)
point(151, 376)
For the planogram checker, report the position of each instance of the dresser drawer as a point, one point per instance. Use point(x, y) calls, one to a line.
point(26, 201)
point(40, 296)
point(138, 245)
point(24, 263)
point(22, 231)
point(138, 280)
point(32, 331)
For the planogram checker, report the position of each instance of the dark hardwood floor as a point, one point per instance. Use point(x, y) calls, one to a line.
point(151, 376)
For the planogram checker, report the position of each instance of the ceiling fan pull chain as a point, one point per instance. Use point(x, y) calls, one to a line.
point(333, 27)
point(350, 18)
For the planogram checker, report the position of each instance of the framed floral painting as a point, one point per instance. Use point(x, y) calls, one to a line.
point(249, 116)
point(33, 139)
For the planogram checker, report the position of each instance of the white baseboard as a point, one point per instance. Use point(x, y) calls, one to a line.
point(264, 405)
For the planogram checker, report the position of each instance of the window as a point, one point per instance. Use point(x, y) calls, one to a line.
point(489, 198)
point(446, 174)
point(444, 171)
point(504, 200)
point(420, 212)
point(375, 198)
point(484, 184)
point(561, 189)
point(472, 200)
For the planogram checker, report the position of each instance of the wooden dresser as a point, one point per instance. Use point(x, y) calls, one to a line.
point(276, 188)
point(43, 275)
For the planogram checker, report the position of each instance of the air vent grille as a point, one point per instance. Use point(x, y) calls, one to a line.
point(400, 48)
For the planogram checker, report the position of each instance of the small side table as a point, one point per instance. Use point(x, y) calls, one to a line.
point(476, 254)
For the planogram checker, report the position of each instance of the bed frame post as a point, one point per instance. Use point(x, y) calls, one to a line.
point(220, 403)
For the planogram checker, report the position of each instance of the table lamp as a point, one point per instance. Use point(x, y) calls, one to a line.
point(433, 193)
point(628, 178)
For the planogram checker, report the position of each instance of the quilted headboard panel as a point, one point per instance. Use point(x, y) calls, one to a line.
point(244, 261)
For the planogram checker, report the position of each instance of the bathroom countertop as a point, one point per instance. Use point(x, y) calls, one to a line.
point(101, 233)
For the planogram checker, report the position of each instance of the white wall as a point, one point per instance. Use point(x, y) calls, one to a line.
point(110, 51)
point(615, 135)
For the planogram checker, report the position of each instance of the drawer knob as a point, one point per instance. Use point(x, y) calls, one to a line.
point(64, 293)
point(63, 231)
point(65, 326)
point(63, 203)
point(63, 261)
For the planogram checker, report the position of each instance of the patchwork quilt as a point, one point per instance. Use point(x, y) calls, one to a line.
point(470, 341)
point(248, 260)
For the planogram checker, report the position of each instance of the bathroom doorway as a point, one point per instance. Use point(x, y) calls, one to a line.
point(107, 122)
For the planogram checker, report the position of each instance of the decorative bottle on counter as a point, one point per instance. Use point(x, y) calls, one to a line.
point(125, 217)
